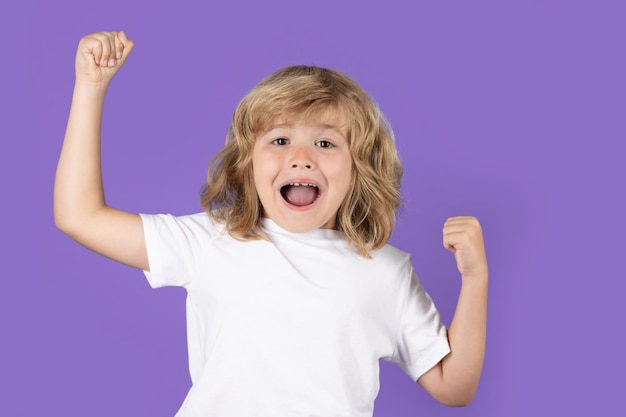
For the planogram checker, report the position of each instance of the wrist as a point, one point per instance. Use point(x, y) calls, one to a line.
point(480, 278)
point(90, 87)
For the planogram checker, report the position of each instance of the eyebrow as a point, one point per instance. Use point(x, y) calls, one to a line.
point(324, 126)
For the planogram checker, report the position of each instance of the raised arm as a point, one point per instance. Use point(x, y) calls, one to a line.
point(454, 380)
point(80, 209)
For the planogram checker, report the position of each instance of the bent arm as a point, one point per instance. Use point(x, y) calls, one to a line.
point(454, 380)
point(80, 209)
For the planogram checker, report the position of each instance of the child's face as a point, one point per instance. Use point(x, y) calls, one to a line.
point(302, 172)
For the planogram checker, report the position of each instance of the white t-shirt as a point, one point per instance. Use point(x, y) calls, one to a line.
point(292, 327)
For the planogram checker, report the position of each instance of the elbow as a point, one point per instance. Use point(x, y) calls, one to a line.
point(69, 217)
point(65, 226)
point(62, 222)
point(456, 390)
point(457, 403)
point(458, 399)
point(60, 214)
point(66, 221)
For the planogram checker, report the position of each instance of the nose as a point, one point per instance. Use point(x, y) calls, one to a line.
point(301, 158)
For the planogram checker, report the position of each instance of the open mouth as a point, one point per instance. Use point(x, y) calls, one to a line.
point(300, 194)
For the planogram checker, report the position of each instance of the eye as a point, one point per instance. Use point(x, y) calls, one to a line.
point(280, 141)
point(324, 144)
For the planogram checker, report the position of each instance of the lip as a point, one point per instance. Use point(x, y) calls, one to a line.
point(301, 180)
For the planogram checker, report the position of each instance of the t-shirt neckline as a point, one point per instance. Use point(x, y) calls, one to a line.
point(271, 227)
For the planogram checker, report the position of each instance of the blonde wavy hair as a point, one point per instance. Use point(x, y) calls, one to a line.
point(368, 213)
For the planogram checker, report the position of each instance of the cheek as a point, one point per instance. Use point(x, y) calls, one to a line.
point(257, 167)
point(344, 168)
point(342, 172)
point(263, 179)
point(349, 178)
point(257, 178)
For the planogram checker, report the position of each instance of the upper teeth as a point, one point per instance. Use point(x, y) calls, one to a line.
point(301, 184)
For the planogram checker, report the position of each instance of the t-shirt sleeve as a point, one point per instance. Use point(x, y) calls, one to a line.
point(172, 244)
point(422, 337)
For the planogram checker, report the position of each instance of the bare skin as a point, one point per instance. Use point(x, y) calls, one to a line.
point(454, 380)
point(80, 210)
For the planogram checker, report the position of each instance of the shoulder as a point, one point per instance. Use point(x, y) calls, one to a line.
point(190, 224)
point(391, 255)
point(394, 267)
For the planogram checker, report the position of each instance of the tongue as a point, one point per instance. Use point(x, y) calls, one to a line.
point(300, 195)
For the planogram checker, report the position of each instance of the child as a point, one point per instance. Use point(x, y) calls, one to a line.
point(293, 293)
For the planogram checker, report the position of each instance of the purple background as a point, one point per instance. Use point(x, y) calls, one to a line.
point(511, 111)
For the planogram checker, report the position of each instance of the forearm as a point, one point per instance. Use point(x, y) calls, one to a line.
point(78, 190)
point(461, 369)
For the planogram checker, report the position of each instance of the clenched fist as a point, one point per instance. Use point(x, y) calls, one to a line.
point(101, 55)
point(463, 236)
